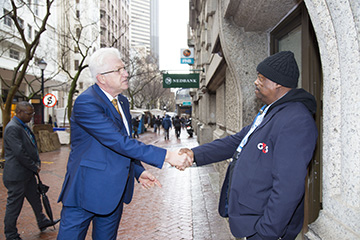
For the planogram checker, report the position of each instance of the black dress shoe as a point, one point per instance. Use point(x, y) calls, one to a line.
point(17, 238)
point(48, 223)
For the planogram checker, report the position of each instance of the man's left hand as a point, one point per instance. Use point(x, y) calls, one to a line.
point(148, 180)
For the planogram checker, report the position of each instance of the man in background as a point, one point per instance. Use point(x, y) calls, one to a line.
point(22, 163)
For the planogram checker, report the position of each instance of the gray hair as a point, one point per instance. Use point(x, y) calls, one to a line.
point(98, 61)
point(21, 106)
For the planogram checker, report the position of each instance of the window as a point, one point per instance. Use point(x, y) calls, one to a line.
point(14, 54)
point(76, 50)
point(7, 18)
point(36, 7)
point(102, 13)
point(78, 32)
point(77, 13)
point(76, 65)
point(21, 22)
point(77, 1)
point(103, 31)
point(29, 31)
point(81, 85)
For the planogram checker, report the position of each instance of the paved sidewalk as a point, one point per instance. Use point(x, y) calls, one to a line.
point(184, 208)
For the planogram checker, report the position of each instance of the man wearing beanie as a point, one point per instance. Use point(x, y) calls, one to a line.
point(263, 191)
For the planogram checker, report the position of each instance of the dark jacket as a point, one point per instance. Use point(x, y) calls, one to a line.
point(266, 196)
point(166, 123)
point(21, 154)
point(177, 123)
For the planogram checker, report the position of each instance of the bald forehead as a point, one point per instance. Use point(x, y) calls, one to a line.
point(23, 106)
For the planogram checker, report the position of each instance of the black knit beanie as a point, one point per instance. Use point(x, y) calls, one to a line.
point(280, 68)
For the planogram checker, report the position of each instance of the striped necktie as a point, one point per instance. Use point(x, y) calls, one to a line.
point(31, 135)
point(115, 103)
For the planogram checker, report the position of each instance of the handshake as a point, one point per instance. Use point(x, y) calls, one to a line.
point(180, 159)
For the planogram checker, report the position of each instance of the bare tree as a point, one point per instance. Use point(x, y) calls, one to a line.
point(79, 37)
point(29, 48)
point(75, 43)
point(144, 80)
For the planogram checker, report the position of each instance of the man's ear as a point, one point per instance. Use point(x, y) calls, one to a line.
point(100, 78)
point(278, 86)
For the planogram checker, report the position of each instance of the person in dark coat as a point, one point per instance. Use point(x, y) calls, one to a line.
point(263, 191)
point(135, 125)
point(177, 126)
point(157, 124)
point(22, 162)
point(166, 123)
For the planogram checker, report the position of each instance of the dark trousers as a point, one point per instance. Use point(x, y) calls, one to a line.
point(17, 191)
point(136, 134)
point(177, 131)
point(166, 134)
point(75, 222)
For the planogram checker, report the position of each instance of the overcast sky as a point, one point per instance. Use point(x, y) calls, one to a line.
point(173, 20)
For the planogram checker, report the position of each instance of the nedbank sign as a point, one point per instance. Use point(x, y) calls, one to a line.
point(181, 80)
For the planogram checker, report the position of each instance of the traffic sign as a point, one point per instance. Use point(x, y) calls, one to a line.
point(49, 100)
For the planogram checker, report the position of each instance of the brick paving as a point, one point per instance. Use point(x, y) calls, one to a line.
point(184, 208)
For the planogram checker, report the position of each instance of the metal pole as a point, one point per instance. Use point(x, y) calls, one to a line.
point(42, 96)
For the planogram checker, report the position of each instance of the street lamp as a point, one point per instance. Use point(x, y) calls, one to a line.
point(42, 65)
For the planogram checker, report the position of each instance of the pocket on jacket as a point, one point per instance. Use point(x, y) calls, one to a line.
point(93, 164)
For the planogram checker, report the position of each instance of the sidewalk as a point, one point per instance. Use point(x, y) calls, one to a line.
point(184, 208)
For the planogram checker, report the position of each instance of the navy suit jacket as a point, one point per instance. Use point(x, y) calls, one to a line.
point(104, 159)
point(266, 195)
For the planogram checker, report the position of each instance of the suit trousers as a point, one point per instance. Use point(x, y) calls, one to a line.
point(17, 191)
point(78, 221)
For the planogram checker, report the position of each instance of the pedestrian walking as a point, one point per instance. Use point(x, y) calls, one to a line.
point(263, 191)
point(166, 123)
point(135, 124)
point(22, 163)
point(157, 124)
point(177, 126)
point(104, 158)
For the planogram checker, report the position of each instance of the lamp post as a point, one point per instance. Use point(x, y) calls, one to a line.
point(42, 65)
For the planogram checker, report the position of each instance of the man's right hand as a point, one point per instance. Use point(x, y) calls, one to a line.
point(188, 152)
point(180, 161)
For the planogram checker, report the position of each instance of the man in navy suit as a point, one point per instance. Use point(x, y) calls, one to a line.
point(104, 158)
point(263, 191)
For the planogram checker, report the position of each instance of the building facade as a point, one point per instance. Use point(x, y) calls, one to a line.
point(13, 52)
point(75, 29)
point(144, 26)
point(115, 25)
point(231, 37)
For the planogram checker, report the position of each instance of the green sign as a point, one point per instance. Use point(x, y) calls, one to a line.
point(181, 80)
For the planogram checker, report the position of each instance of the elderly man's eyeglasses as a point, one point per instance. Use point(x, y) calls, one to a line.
point(117, 70)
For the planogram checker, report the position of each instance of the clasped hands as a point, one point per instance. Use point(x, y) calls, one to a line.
point(180, 159)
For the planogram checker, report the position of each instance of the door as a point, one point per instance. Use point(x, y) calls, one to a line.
point(296, 33)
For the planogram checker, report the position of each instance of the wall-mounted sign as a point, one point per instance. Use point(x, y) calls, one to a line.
point(187, 56)
point(49, 100)
point(181, 80)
